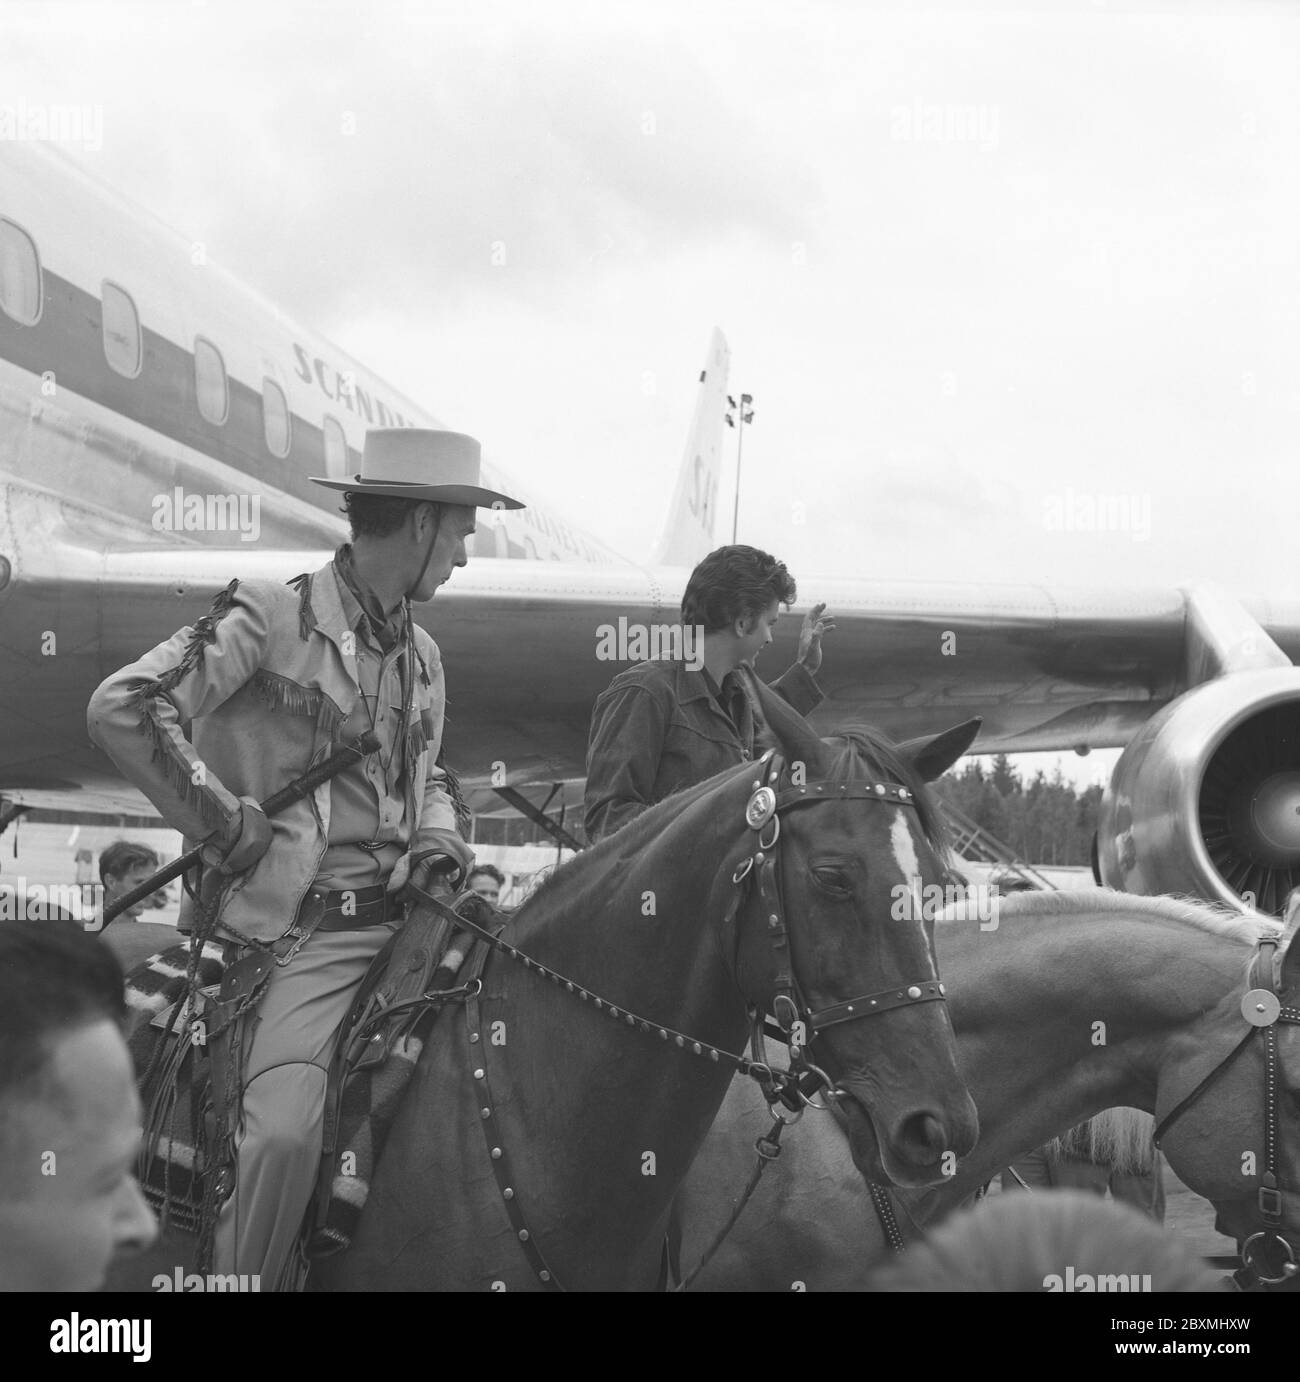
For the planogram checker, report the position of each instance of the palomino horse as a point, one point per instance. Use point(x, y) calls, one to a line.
point(540, 1136)
point(1074, 1003)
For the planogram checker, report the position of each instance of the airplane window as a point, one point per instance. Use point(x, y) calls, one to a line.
point(275, 418)
point(122, 347)
point(20, 275)
point(336, 450)
point(210, 381)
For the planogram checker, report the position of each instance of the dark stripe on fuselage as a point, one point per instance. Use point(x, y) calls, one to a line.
point(68, 342)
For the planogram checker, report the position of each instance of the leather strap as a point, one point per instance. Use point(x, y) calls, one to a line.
point(889, 792)
point(404, 966)
point(929, 991)
point(497, 1154)
point(883, 1204)
point(1262, 1010)
point(767, 1148)
point(357, 909)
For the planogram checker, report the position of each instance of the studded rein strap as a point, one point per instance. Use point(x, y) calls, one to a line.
point(762, 815)
point(1262, 1009)
point(496, 1150)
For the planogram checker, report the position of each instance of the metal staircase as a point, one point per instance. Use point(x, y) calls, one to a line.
point(972, 841)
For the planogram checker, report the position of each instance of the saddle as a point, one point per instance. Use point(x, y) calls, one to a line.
point(188, 1063)
point(379, 1046)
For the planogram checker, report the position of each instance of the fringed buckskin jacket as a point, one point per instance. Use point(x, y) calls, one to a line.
point(267, 678)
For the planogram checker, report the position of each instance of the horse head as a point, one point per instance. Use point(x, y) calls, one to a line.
point(843, 838)
point(1236, 1135)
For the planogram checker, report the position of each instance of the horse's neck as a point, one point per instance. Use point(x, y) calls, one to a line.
point(615, 1114)
point(1060, 1017)
point(643, 928)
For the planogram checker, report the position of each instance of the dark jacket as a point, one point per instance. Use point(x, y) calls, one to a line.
point(657, 728)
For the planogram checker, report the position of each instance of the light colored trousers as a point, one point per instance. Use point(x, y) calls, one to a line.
point(279, 1142)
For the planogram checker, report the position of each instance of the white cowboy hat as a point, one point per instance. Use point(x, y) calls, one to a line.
point(422, 465)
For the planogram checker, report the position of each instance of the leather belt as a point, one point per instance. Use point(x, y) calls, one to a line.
point(354, 909)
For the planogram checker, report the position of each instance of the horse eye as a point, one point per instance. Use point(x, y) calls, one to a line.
point(833, 880)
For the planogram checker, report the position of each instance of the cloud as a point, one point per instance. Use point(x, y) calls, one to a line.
point(425, 162)
point(1102, 299)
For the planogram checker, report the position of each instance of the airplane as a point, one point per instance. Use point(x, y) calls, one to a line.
point(148, 399)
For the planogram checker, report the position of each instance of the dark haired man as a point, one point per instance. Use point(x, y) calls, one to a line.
point(487, 880)
point(663, 725)
point(69, 1113)
point(124, 865)
point(272, 679)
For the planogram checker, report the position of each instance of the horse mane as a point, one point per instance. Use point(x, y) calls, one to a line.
point(854, 753)
point(866, 753)
point(646, 823)
point(1117, 1138)
point(1216, 918)
point(1120, 1138)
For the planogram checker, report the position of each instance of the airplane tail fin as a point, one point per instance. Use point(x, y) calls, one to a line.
point(688, 534)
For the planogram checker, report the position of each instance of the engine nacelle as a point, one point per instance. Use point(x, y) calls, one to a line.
point(1206, 799)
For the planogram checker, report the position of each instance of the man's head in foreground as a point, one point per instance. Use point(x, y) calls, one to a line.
point(69, 1112)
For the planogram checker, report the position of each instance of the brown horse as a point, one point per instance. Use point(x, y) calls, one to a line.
point(545, 1134)
point(593, 1115)
point(1076, 1002)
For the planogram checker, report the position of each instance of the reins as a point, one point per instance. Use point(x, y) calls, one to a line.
point(1263, 1010)
point(798, 1023)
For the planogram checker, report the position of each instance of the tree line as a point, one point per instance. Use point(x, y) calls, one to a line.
point(1044, 821)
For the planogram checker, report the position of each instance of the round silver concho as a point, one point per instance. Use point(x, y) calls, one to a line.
point(1260, 1008)
point(761, 808)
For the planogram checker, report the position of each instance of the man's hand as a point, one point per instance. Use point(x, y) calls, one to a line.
point(242, 843)
point(810, 637)
point(427, 870)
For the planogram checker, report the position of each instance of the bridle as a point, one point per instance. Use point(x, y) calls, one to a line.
point(795, 1018)
point(1263, 1010)
point(768, 801)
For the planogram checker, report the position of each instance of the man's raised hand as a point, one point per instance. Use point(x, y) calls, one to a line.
point(815, 623)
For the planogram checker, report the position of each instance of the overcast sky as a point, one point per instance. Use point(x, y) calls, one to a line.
point(979, 266)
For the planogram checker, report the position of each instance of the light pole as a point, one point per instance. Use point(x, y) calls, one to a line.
point(746, 414)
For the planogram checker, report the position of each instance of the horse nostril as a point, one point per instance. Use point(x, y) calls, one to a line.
point(925, 1137)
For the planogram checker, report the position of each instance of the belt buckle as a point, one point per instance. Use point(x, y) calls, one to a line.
point(299, 937)
point(297, 930)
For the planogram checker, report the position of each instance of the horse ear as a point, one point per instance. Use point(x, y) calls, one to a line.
point(782, 727)
point(932, 757)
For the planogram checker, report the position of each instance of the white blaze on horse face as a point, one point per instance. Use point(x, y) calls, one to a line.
point(904, 847)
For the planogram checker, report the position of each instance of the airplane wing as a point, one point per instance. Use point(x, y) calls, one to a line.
point(528, 647)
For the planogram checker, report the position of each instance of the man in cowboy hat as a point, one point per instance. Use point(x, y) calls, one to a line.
point(271, 679)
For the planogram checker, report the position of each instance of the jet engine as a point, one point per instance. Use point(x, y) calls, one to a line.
point(1206, 798)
